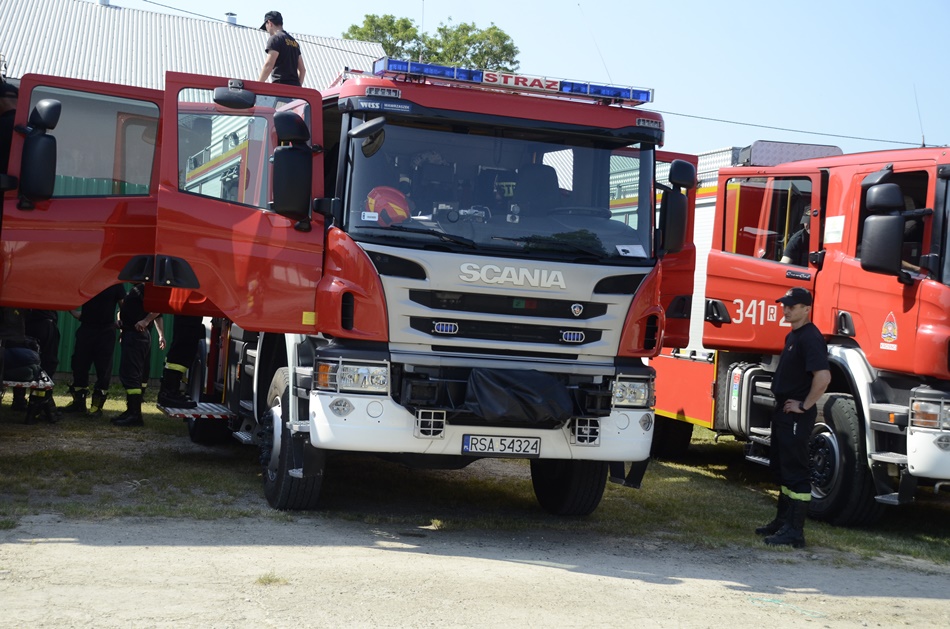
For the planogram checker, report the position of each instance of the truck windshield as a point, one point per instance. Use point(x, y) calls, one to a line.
point(496, 191)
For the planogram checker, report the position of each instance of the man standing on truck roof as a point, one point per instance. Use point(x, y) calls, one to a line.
point(800, 380)
point(284, 62)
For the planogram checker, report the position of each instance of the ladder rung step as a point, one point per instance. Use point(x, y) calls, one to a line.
point(889, 499)
point(247, 405)
point(244, 437)
point(889, 457)
point(756, 430)
point(766, 441)
point(761, 460)
point(204, 410)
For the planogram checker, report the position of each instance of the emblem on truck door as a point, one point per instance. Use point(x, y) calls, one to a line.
point(577, 309)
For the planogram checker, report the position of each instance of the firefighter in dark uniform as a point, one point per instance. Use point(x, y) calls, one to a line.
point(42, 325)
point(800, 380)
point(95, 345)
point(186, 337)
point(136, 340)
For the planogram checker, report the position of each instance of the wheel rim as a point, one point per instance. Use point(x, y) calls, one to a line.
point(825, 457)
point(277, 426)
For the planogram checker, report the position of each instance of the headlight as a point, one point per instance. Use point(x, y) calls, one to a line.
point(352, 377)
point(637, 393)
point(929, 414)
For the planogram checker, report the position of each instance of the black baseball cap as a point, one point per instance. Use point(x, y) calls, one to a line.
point(795, 296)
point(272, 16)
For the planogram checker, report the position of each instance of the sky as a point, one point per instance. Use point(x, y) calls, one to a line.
point(860, 74)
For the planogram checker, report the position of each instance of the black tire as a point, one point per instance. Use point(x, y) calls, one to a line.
point(671, 438)
point(568, 487)
point(282, 490)
point(208, 432)
point(842, 485)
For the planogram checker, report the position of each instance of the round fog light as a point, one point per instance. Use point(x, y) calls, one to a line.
point(646, 422)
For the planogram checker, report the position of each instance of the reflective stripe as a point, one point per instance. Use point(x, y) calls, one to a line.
point(791, 494)
point(133, 391)
point(176, 367)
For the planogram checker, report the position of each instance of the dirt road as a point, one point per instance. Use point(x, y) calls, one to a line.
point(318, 572)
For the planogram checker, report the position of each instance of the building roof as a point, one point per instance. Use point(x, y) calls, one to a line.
point(102, 42)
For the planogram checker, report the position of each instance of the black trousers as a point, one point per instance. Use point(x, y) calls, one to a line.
point(788, 456)
point(95, 345)
point(47, 333)
point(187, 332)
point(136, 351)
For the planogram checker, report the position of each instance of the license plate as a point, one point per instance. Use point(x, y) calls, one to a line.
point(502, 446)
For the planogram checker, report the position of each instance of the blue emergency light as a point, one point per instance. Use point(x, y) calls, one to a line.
point(387, 67)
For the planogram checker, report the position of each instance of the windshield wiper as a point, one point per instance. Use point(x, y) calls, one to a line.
point(548, 240)
point(459, 240)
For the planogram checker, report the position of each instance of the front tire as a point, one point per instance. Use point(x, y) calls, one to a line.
point(842, 484)
point(568, 487)
point(283, 491)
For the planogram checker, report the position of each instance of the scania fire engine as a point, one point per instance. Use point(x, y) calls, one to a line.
point(423, 262)
point(876, 229)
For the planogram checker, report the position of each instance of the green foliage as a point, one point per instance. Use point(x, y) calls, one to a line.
point(398, 36)
point(461, 44)
point(467, 45)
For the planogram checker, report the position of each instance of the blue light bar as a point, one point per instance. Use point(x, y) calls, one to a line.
point(506, 80)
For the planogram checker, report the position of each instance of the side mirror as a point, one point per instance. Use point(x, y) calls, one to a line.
point(234, 96)
point(682, 174)
point(293, 169)
point(884, 197)
point(673, 210)
point(38, 165)
point(881, 243)
point(373, 134)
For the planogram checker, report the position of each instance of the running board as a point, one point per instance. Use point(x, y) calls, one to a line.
point(204, 410)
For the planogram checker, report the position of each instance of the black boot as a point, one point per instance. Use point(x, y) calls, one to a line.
point(780, 514)
point(133, 414)
point(78, 405)
point(792, 532)
point(170, 395)
point(98, 403)
point(19, 399)
point(34, 410)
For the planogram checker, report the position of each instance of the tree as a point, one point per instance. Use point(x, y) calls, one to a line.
point(467, 45)
point(399, 37)
point(463, 44)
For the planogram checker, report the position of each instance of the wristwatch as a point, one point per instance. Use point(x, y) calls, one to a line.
point(801, 406)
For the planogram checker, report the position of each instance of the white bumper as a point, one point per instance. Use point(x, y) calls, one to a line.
point(928, 453)
point(377, 424)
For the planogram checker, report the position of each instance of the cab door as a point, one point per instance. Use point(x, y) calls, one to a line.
point(60, 252)
point(216, 233)
point(757, 215)
point(678, 269)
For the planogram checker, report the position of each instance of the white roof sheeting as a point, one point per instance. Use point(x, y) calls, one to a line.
point(87, 40)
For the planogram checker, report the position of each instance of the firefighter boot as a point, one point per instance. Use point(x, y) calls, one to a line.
point(792, 532)
point(98, 403)
point(170, 395)
point(782, 511)
point(39, 408)
point(133, 413)
point(78, 405)
point(19, 399)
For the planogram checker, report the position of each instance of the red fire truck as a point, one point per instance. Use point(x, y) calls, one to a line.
point(877, 248)
point(421, 262)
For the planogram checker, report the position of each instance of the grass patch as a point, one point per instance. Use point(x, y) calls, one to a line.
point(84, 467)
